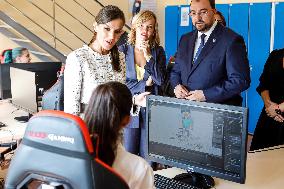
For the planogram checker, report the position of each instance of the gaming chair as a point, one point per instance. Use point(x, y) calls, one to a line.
point(57, 151)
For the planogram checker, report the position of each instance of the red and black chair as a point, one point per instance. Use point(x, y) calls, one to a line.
point(57, 151)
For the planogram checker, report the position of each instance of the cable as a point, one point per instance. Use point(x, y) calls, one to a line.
point(267, 149)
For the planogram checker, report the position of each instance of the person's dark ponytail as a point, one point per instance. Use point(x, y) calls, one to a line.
point(115, 59)
point(108, 105)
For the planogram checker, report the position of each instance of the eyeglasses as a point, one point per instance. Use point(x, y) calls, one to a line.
point(201, 13)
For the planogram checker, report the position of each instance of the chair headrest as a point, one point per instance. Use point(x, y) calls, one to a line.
point(59, 129)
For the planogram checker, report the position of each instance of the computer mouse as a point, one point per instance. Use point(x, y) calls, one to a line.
point(196, 179)
point(207, 182)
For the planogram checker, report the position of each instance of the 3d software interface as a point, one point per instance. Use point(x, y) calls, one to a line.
point(195, 135)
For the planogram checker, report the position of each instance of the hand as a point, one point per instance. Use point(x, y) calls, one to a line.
point(196, 95)
point(180, 91)
point(140, 99)
point(149, 81)
point(270, 109)
point(144, 46)
point(279, 118)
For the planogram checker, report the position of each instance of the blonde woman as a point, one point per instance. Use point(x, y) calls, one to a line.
point(145, 71)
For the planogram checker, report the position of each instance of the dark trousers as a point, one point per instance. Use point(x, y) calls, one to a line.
point(135, 138)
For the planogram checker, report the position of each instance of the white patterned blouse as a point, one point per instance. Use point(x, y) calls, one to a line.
point(85, 69)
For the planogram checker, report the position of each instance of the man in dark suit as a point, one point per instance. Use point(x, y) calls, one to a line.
point(211, 62)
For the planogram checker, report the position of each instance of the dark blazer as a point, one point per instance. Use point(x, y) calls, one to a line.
point(269, 132)
point(221, 70)
point(156, 67)
point(272, 77)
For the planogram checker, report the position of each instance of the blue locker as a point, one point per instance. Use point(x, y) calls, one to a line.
point(234, 20)
point(279, 26)
point(258, 51)
point(171, 34)
point(183, 29)
point(224, 9)
point(240, 27)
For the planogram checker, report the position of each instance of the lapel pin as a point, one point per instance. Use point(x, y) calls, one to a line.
point(214, 40)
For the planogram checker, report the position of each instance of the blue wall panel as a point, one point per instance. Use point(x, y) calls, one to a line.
point(183, 29)
point(224, 9)
point(171, 25)
point(279, 26)
point(240, 27)
point(258, 50)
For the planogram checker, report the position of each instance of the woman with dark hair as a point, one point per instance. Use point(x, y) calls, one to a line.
point(107, 113)
point(145, 71)
point(269, 130)
point(96, 63)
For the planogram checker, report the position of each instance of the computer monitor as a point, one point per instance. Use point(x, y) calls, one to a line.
point(199, 137)
point(24, 91)
point(27, 88)
point(49, 68)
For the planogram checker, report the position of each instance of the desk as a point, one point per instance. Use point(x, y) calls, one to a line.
point(14, 130)
point(265, 170)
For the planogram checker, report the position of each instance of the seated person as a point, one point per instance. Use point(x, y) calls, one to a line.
point(16, 55)
point(21, 55)
point(107, 113)
point(7, 53)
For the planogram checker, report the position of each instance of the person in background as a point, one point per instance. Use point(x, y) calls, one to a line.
point(211, 62)
point(4, 54)
point(136, 7)
point(269, 130)
point(17, 55)
point(96, 63)
point(107, 113)
point(145, 71)
point(220, 18)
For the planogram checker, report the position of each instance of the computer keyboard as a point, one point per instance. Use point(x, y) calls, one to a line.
point(162, 182)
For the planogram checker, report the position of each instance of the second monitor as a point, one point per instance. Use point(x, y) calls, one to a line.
point(199, 137)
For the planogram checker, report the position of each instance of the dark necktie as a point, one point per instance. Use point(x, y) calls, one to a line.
point(200, 47)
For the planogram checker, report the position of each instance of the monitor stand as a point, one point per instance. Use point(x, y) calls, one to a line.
point(23, 119)
point(196, 179)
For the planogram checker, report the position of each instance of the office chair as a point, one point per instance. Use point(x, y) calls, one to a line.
point(57, 151)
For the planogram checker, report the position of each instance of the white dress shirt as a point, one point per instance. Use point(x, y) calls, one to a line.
point(135, 170)
point(198, 39)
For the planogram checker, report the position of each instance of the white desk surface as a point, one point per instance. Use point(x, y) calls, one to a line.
point(14, 129)
point(264, 170)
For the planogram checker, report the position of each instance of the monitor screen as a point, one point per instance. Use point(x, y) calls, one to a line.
point(23, 89)
point(199, 137)
point(50, 70)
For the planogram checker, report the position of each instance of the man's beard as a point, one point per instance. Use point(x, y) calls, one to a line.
point(205, 27)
